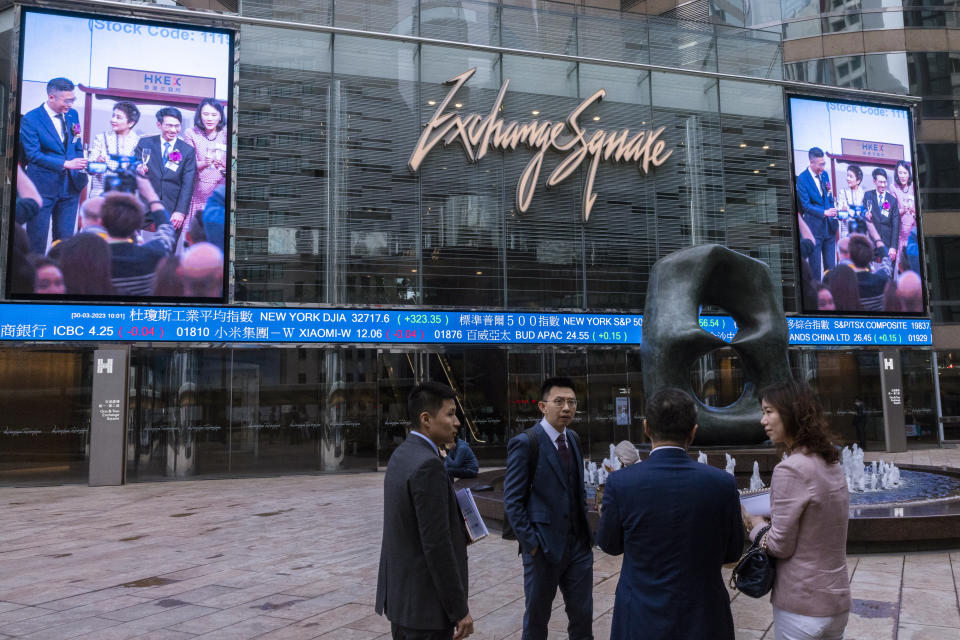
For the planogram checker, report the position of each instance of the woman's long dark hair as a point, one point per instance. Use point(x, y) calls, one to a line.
point(845, 289)
point(209, 102)
point(86, 265)
point(802, 417)
point(896, 174)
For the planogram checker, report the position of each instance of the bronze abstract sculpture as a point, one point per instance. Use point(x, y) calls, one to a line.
point(680, 284)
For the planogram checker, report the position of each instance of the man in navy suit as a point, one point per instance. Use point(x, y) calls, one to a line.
point(548, 512)
point(52, 155)
point(816, 207)
point(172, 166)
point(676, 522)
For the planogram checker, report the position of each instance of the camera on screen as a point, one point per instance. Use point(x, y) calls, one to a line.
point(123, 178)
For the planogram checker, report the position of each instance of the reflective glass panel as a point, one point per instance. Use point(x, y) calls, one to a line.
point(281, 241)
point(462, 203)
point(178, 414)
point(45, 430)
point(375, 119)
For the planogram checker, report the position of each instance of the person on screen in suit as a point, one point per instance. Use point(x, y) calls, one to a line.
point(548, 513)
point(883, 211)
point(422, 584)
point(52, 155)
point(818, 211)
point(676, 522)
point(171, 166)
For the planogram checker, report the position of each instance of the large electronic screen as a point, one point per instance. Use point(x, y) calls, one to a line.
point(113, 323)
point(857, 207)
point(124, 160)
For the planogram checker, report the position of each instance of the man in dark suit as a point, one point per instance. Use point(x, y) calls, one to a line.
point(883, 211)
point(816, 207)
point(422, 585)
point(172, 166)
point(548, 513)
point(676, 522)
point(52, 155)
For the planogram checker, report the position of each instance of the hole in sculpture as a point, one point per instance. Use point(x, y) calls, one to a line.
point(716, 378)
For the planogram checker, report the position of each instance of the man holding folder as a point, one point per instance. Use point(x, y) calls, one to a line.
point(422, 585)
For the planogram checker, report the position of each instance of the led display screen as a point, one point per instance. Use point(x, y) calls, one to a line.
point(857, 207)
point(102, 323)
point(124, 160)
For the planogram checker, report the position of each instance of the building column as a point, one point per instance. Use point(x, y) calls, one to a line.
point(891, 384)
point(108, 417)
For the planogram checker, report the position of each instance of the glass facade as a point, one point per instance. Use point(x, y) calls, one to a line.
point(46, 404)
point(346, 222)
point(328, 213)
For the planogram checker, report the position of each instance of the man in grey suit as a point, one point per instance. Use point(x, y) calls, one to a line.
point(422, 585)
point(548, 512)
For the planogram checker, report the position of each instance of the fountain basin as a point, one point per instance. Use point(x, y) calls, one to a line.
point(921, 515)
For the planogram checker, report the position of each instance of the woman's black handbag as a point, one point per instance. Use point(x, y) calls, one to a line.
point(756, 569)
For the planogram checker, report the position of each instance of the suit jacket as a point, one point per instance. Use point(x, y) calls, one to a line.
point(43, 154)
point(175, 188)
point(423, 558)
point(543, 521)
point(809, 508)
point(887, 226)
point(812, 205)
point(676, 521)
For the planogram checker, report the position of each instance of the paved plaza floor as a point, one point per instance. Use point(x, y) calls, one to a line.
point(296, 557)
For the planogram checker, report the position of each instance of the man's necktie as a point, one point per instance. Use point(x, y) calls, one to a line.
point(166, 151)
point(63, 129)
point(563, 451)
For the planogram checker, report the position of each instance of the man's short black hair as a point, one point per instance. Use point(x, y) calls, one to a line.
point(121, 214)
point(56, 85)
point(427, 396)
point(169, 111)
point(556, 381)
point(815, 152)
point(861, 251)
point(880, 171)
point(671, 415)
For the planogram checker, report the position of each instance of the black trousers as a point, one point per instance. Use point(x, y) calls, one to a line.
point(405, 633)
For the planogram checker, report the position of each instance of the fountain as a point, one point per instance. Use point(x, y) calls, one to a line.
point(876, 476)
point(756, 483)
point(731, 465)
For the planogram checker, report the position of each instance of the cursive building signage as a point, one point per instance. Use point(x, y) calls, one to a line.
point(479, 133)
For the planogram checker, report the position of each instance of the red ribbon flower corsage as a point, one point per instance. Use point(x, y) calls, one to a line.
point(75, 129)
point(886, 206)
point(174, 156)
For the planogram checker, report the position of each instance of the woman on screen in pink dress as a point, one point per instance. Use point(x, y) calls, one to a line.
point(208, 137)
point(902, 188)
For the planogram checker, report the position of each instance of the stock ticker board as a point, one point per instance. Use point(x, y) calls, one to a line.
point(114, 323)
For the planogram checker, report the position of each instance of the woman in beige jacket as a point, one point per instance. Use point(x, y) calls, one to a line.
point(809, 506)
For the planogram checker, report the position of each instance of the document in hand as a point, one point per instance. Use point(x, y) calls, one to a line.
point(476, 528)
point(757, 503)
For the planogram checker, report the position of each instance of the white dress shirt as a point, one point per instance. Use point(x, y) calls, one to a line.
point(56, 121)
point(553, 433)
point(816, 181)
point(435, 448)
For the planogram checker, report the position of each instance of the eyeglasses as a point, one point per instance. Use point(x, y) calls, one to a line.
point(560, 402)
